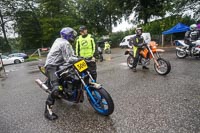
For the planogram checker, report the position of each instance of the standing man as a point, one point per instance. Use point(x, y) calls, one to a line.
point(59, 54)
point(137, 42)
point(85, 47)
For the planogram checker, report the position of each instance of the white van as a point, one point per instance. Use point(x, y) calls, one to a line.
point(125, 40)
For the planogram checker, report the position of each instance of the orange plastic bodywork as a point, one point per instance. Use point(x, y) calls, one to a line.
point(144, 52)
point(153, 46)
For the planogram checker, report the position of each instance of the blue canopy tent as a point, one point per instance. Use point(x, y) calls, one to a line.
point(176, 29)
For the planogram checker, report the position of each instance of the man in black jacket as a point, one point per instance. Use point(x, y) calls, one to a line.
point(137, 42)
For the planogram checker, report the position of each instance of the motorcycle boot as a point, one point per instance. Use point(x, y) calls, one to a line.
point(49, 113)
point(144, 67)
point(134, 69)
point(50, 102)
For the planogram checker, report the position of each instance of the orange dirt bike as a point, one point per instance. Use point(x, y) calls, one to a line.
point(74, 79)
point(161, 65)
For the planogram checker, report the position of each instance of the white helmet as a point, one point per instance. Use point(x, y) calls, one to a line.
point(193, 27)
point(138, 31)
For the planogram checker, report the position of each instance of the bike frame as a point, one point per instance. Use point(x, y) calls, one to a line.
point(152, 54)
point(86, 87)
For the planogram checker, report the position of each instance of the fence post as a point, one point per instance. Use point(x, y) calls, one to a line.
point(39, 53)
point(2, 67)
point(162, 40)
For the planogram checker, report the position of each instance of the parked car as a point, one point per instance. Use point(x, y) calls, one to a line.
point(25, 56)
point(125, 41)
point(11, 60)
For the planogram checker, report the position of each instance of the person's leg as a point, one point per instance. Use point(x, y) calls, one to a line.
point(54, 93)
point(136, 58)
point(93, 69)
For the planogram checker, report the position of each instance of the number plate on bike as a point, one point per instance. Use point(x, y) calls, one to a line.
point(81, 66)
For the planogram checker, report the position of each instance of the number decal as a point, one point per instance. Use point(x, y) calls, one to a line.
point(81, 65)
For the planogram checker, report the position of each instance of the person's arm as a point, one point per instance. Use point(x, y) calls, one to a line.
point(77, 47)
point(131, 42)
point(137, 42)
point(187, 37)
point(93, 44)
point(66, 50)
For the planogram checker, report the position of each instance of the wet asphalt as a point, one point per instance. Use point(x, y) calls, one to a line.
point(145, 102)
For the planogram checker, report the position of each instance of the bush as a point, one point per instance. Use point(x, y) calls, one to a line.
point(33, 58)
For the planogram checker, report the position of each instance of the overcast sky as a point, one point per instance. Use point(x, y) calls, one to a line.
point(123, 26)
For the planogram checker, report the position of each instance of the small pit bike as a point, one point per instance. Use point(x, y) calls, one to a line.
point(161, 66)
point(74, 79)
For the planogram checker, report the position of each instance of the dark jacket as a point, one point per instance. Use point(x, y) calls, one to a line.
point(136, 41)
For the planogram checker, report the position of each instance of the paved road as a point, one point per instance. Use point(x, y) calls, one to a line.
point(145, 102)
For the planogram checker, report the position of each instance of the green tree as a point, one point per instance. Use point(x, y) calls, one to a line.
point(181, 6)
point(98, 15)
point(7, 8)
point(54, 16)
point(144, 9)
point(28, 30)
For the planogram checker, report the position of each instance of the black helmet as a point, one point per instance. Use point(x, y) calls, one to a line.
point(138, 31)
point(82, 28)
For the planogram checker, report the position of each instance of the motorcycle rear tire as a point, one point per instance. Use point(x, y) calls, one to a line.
point(129, 62)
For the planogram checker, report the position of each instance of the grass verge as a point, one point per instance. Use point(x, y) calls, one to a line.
point(34, 58)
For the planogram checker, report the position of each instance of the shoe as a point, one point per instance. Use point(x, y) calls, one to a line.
point(144, 67)
point(134, 70)
point(49, 114)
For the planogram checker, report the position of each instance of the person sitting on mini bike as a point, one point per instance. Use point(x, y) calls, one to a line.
point(137, 42)
point(107, 46)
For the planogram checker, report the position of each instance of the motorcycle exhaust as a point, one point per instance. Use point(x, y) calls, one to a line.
point(42, 85)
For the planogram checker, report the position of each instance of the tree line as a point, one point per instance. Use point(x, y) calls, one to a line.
point(38, 22)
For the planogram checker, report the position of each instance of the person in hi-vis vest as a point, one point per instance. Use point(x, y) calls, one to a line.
point(137, 42)
point(85, 47)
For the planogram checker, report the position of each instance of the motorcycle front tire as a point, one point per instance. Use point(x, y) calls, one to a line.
point(165, 63)
point(181, 54)
point(103, 102)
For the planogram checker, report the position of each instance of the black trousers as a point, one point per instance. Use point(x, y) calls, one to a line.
point(92, 68)
point(50, 70)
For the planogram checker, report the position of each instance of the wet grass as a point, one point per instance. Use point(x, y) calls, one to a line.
point(34, 58)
